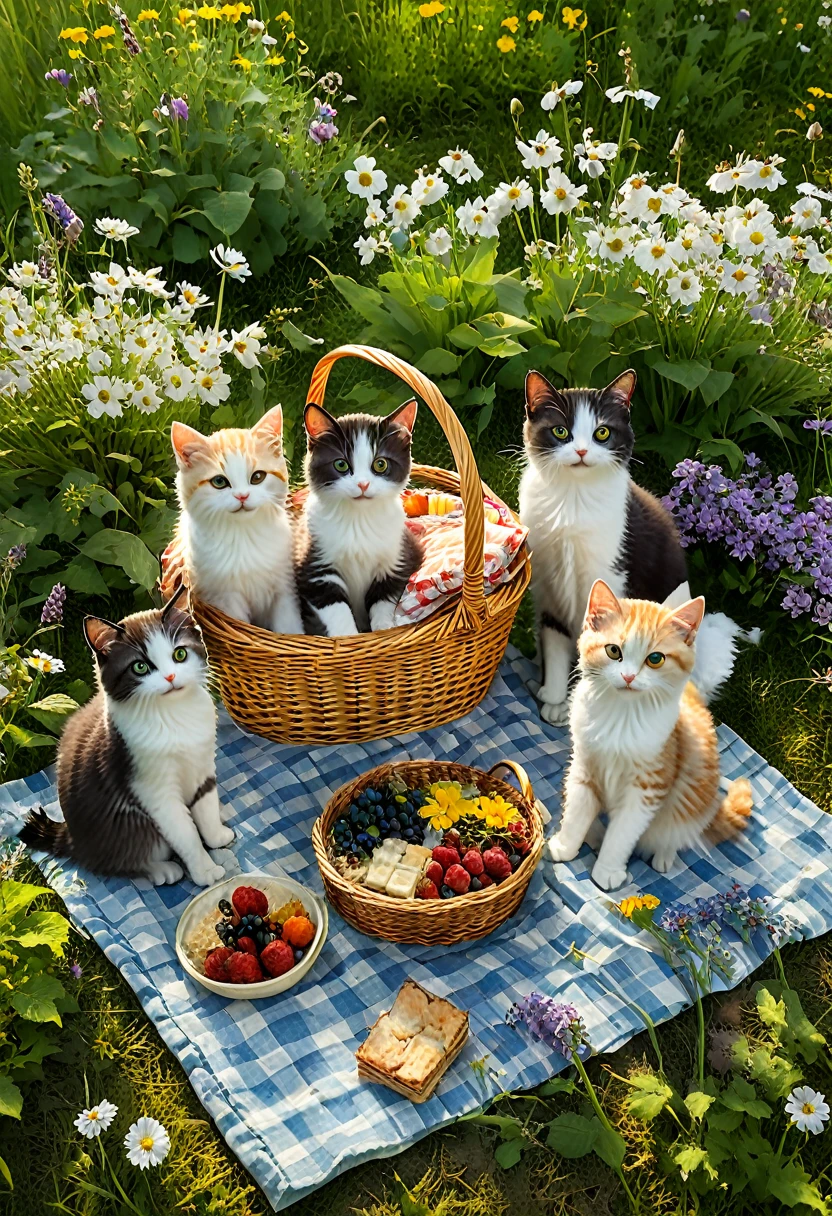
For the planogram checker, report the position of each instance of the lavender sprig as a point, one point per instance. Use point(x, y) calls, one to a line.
point(557, 1024)
point(62, 215)
point(53, 608)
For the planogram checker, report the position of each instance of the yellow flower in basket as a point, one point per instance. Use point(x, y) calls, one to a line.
point(496, 811)
point(445, 805)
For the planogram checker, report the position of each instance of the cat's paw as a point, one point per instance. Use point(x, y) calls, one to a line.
point(206, 872)
point(219, 837)
point(608, 879)
point(163, 873)
point(556, 713)
point(663, 862)
point(560, 851)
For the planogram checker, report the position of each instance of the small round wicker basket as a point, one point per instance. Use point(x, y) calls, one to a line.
point(428, 922)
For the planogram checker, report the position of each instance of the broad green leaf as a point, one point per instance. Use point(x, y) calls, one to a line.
point(557, 1085)
point(793, 1186)
point(572, 1135)
point(438, 362)
point(189, 246)
point(479, 261)
point(770, 1011)
point(742, 1096)
point(116, 548)
point(690, 1158)
point(465, 336)
point(689, 374)
point(501, 348)
point(647, 1103)
point(227, 210)
point(609, 1146)
point(508, 1153)
point(270, 179)
point(366, 301)
point(6, 1173)
point(725, 1120)
point(11, 1099)
point(40, 929)
point(15, 895)
point(806, 1033)
point(28, 738)
point(163, 172)
point(35, 998)
point(298, 340)
point(615, 312)
point(698, 1103)
point(50, 711)
point(715, 385)
point(716, 449)
point(253, 96)
point(83, 575)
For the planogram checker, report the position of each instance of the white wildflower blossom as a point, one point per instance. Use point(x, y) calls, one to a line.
point(540, 153)
point(97, 1119)
point(461, 166)
point(557, 94)
point(368, 247)
point(592, 153)
point(618, 94)
point(402, 208)
point(364, 179)
point(610, 243)
point(115, 230)
point(475, 220)
point(231, 262)
point(808, 1109)
point(212, 385)
point(147, 1143)
point(428, 188)
point(740, 279)
point(178, 382)
point(439, 243)
point(104, 395)
point(244, 344)
point(561, 195)
point(684, 287)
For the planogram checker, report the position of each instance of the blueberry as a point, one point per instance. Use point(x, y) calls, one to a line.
point(258, 922)
point(409, 807)
point(394, 834)
point(515, 860)
point(298, 955)
point(384, 825)
point(408, 833)
point(476, 885)
point(446, 892)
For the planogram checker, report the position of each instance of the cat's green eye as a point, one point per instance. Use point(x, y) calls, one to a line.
point(613, 651)
point(140, 668)
point(180, 654)
point(219, 482)
point(380, 465)
point(560, 432)
point(602, 434)
point(341, 466)
point(257, 477)
point(656, 659)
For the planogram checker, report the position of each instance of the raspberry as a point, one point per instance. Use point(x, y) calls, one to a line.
point(250, 901)
point(215, 963)
point(298, 931)
point(243, 969)
point(278, 958)
point(473, 862)
point(247, 945)
point(496, 863)
point(435, 873)
point(457, 879)
point(451, 840)
point(485, 880)
point(445, 856)
point(428, 890)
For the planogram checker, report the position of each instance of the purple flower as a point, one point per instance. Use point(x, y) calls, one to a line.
point(53, 609)
point(179, 108)
point(322, 132)
point(63, 216)
point(61, 75)
point(76, 971)
point(742, 16)
point(555, 1023)
point(824, 425)
point(15, 556)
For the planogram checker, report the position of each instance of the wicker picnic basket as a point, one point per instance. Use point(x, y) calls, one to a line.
point(313, 690)
point(422, 921)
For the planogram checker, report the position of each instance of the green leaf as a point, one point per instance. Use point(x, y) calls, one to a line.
point(807, 1034)
point(366, 301)
point(15, 895)
point(28, 738)
point(557, 1085)
point(254, 96)
point(116, 548)
point(508, 1153)
point(689, 374)
point(50, 711)
point(465, 336)
point(227, 210)
point(690, 1158)
point(40, 929)
point(652, 1096)
point(609, 1146)
point(698, 1103)
point(189, 246)
point(163, 172)
point(615, 312)
point(270, 179)
point(717, 449)
point(438, 362)
point(770, 1011)
point(715, 385)
point(743, 1096)
point(6, 1173)
point(11, 1099)
point(35, 998)
point(501, 348)
point(83, 575)
point(572, 1135)
point(792, 1185)
point(298, 340)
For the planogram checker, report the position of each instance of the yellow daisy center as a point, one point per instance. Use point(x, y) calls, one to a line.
point(103, 395)
point(146, 1143)
point(365, 179)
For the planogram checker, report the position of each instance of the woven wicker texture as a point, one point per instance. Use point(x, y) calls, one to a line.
point(428, 922)
point(311, 690)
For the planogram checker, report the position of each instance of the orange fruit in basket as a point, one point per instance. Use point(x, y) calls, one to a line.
point(415, 503)
point(298, 931)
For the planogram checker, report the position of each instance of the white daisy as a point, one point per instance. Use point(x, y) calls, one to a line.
point(818, 260)
point(475, 220)
point(610, 243)
point(104, 396)
point(205, 346)
point(144, 396)
point(191, 296)
point(739, 280)
point(560, 196)
point(364, 179)
point(439, 243)
point(375, 214)
point(806, 214)
point(684, 287)
point(808, 1109)
point(514, 197)
point(540, 153)
point(212, 385)
point(765, 175)
point(245, 344)
point(45, 663)
point(653, 254)
point(428, 188)
point(115, 230)
point(461, 166)
point(591, 154)
point(231, 262)
point(402, 208)
point(178, 382)
point(111, 285)
point(97, 360)
point(149, 281)
point(556, 95)
point(147, 1143)
point(25, 275)
point(368, 247)
point(93, 1122)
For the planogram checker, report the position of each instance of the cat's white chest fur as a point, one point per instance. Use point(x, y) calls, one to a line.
point(577, 520)
point(361, 539)
point(250, 557)
point(171, 738)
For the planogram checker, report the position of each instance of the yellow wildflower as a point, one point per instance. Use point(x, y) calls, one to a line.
point(276, 60)
point(800, 113)
point(431, 10)
point(104, 31)
point(496, 811)
point(290, 34)
point(535, 15)
point(284, 16)
point(233, 12)
point(76, 54)
point(240, 61)
point(184, 16)
point(571, 17)
point(505, 44)
point(511, 23)
point(815, 91)
point(148, 14)
point(208, 12)
point(194, 46)
point(635, 903)
point(445, 805)
point(75, 33)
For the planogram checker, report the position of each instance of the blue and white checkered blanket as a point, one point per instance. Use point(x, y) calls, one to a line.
point(279, 1076)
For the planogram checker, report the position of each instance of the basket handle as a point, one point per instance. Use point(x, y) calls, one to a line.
point(520, 773)
point(472, 603)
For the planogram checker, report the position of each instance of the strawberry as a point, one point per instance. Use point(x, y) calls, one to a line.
point(472, 861)
point(435, 874)
point(248, 901)
point(278, 958)
point(445, 856)
point(496, 863)
point(243, 969)
point(247, 945)
point(215, 963)
point(428, 890)
point(458, 879)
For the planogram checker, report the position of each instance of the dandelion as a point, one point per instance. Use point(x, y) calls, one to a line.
point(505, 44)
point(147, 1143)
point(461, 166)
point(635, 903)
point(52, 612)
point(40, 661)
point(115, 230)
point(571, 18)
point(93, 1122)
point(60, 75)
point(558, 94)
point(808, 1109)
point(364, 179)
point(231, 262)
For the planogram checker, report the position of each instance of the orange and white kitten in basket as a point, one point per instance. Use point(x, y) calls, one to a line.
point(644, 747)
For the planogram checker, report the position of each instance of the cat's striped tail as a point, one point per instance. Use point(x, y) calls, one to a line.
point(734, 813)
point(45, 834)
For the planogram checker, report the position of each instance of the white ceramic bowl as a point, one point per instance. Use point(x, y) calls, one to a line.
point(279, 890)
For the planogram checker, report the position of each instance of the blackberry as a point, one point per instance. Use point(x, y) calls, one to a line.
point(446, 892)
point(225, 908)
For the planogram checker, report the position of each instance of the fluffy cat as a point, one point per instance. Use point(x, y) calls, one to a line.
point(136, 764)
point(233, 530)
point(644, 747)
point(355, 551)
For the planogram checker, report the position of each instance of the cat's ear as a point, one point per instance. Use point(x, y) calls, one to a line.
point(540, 394)
point(601, 605)
point(688, 618)
point(622, 387)
point(100, 633)
point(404, 416)
point(270, 426)
point(319, 422)
point(188, 444)
point(178, 602)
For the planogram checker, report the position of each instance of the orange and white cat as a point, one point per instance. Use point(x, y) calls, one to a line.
point(233, 530)
point(644, 746)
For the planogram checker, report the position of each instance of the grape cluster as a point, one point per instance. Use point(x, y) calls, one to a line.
point(250, 925)
point(377, 815)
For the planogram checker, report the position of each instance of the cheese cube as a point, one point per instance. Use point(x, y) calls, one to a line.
point(379, 873)
point(403, 882)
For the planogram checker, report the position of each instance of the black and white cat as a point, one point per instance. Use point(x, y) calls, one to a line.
point(588, 520)
point(136, 765)
point(355, 552)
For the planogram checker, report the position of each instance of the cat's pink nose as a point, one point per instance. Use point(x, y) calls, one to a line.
point(363, 486)
point(580, 452)
point(628, 679)
point(241, 497)
point(171, 677)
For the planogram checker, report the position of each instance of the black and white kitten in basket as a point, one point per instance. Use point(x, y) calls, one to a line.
point(355, 551)
point(136, 765)
point(588, 520)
